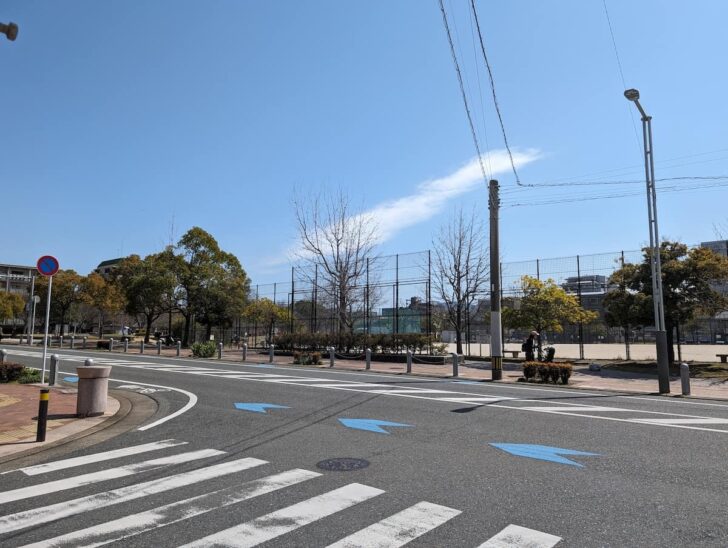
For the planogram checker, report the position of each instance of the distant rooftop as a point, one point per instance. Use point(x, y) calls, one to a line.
point(110, 262)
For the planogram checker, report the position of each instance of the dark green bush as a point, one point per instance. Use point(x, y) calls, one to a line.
point(307, 358)
point(103, 345)
point(10, 372)
point(529, 369)
point(547, 372)
point(204, 349)
point(29, 376)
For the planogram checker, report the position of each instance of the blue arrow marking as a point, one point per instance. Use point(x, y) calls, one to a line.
point(70, 379)
point(259, 407)
point(371, 425)
point(542, 452)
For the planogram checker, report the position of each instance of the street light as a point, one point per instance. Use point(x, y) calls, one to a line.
point(663, 370)
point(10, 30)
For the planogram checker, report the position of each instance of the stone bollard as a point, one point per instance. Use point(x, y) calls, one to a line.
point(409, 361)
point(159, 347)
point(141, 348)
point(3, 354)
point(245, 351)
point(454, 364)
point(111, 344)
point(368, 354)
point(219, 351)
point(73, 342)
point(126, 344)
point(54, 370)
point(272, 353)
point(685, 378)
point(84, 342)
point(93, 386)
point(60, 341)
point(179, 347)
point(331, 356)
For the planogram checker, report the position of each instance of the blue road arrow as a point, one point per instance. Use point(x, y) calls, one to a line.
point(371, 425)
point(70, 379)
point(259, 407)
point(542, 452)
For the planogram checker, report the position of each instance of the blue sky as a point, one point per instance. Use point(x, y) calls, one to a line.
point(126, 123)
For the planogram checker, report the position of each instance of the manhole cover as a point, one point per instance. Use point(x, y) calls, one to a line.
point(342, 465)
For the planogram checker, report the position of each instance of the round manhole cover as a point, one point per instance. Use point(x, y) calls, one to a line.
point(342, 465)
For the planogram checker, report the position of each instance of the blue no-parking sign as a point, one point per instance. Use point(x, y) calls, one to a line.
point(47, 265)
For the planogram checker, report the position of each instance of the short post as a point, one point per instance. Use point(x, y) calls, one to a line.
point(54, 370)
point(245, 351)
point(84, 341)
point(88, 363)
point(3, 354)
point(409, 361)
point(179, 347)
point(159, 347)
point(42, 414)
point(126, 344)
point(60, 341)
point(272, 353)
point(219, 351)
point(685, 378)
point(141, 348)
point(454, 364)
point(368, 354)
point(111, 344)
point(331, 356)
point(73, 342)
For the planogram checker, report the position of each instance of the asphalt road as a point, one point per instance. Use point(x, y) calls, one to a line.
point(656, 474)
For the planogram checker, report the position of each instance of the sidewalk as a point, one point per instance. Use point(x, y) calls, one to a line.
point(19, 412)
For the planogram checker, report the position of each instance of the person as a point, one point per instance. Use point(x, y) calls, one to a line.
point(530, 345)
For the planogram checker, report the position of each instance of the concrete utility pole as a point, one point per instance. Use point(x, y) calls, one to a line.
point(496, 332)
point(663, 367)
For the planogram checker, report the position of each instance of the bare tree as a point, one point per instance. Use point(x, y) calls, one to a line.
point(335, 242)
point(460, 269)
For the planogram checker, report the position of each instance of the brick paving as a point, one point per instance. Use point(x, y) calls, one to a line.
point(19, 410)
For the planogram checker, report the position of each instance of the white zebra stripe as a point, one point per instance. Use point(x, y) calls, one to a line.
point(515, 536)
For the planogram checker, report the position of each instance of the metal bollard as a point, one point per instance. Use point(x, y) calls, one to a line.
point(159, 347)
point(331, 356)
point(126, 345)
point(219, 351)
point(368, 353)
point(40, 434)
point(88, 363)
point(3, 354)
point(84, 342)
point(141, 348)
point(54, 370)
point(245, 351)
point(73, 342)
point(409, 361)
point(272, 353)
point(685, 378)
point(454, 364)
point(179, 347)
point(111, 344)
point(60, 341)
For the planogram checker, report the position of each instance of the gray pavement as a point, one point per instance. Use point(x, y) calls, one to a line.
point(656, 476)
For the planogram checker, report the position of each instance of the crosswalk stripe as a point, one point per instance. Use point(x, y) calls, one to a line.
point(168, 514)
point(99, 457)
point(515, 536)
point(103, 475)
point(400, 528)
point(282, 521)
point(53, 512)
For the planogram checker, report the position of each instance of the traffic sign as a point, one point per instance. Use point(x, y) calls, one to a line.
point(47, 265)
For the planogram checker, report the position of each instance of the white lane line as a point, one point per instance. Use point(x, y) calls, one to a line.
point(515, 536)
point(400, 528)
point(98, 457)
point(104, 475)
point(90, 503)
point(168, 514)
point(578, 409)
point(411, 390)
point(705, 420)
point(475, 399)
point(282, 521)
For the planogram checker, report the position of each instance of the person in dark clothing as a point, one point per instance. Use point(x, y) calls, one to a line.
point(530, 345)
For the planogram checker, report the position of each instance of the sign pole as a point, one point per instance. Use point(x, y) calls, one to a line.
point(32, 311)
point(47, 318)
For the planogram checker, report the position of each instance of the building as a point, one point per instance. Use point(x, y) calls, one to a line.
point(16, 278)
point(105, 268)
point(718, 246)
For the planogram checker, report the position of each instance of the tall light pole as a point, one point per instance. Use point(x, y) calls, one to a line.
point(663, 369)
point(10, 30)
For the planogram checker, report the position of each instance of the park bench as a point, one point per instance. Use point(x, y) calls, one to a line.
point(722, 357)
point(513, 353)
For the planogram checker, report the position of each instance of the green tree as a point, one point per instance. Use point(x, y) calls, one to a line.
point(103, 296)
point(626, 309)
point(149, 286)
point(690, 281)
point(544, 306)
point(267, 313)
point(11, 306)
point(65, 294)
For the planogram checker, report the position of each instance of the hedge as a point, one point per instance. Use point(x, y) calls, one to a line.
point(547, 372)
point(354, 343)
point(204, 349)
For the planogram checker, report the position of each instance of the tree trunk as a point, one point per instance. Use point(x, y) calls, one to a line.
point(186, 334)
point(149, 329)
point(101, 325)
point(458, 331)
point(626, 340)
point(670, 341)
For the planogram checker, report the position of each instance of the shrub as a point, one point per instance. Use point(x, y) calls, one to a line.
point(547, 372)
point(103, 345)
point(307, 358)
point(29, 376)
point(565, 372)
point(10, 372)
point(204, 349)
point(529, 369)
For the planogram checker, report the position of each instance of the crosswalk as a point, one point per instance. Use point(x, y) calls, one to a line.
point(410, 524)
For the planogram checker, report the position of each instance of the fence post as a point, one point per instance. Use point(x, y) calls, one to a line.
point(3, 353)
point(245, 351)
point(60, 342)
point(331, 356)
point(454, 364)
point(179, 347)
point(685, 378)
point(219, 351)
point(272, 353)
point(159, 347)
point(126, 345)
point(368, 353)
point(84, 342)
point(54, 370)
point(409, 361)
point(73, 342)
point(578, 294)
point(111, 345)
point(40, 434)
point(141, 347)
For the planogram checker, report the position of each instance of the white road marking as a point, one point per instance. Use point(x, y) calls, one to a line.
point(401, 528)
point(90, 503)
point(515, 536)
point(98, 457)
point(288, 519)
point(704, 420)
point(168, 514)
point(104, 475)
point(578, 409)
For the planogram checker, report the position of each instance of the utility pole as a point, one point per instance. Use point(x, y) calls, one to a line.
point(496, 333)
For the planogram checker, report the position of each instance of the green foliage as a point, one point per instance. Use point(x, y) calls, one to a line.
point(11, 306)
point(204, 349)
point(307, 358)
point(66, 294)
point(545, 306)
point(267, 313)
point(10, 372)
point(625, 308)
point(29, 376)
point(547, 372)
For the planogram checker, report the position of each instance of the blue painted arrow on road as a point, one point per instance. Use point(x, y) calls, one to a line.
point(371, 425)
point(542, 452)
point(259, 407)
point(70, 379)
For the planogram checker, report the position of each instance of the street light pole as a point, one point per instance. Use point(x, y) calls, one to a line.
point(663, 369)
